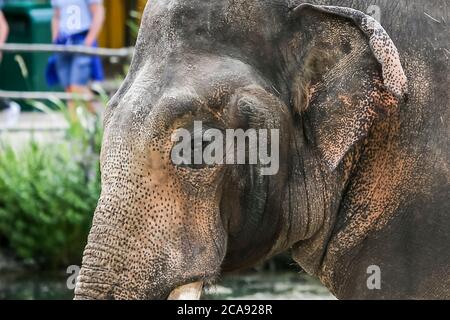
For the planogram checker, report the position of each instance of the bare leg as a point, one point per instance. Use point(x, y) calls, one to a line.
point(76, 89)
point(71, 106)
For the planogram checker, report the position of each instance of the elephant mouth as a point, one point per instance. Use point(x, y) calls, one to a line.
point(190, 291)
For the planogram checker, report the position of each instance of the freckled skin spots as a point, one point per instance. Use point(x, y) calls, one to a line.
point(364, 175)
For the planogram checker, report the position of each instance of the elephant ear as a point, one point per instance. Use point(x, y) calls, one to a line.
point(347, 74)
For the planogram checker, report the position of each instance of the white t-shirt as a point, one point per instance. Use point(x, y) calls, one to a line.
point(75, 16)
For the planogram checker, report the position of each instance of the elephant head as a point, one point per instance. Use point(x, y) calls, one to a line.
point(321, 76)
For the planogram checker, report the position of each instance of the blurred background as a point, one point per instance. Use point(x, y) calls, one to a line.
point(49, 166)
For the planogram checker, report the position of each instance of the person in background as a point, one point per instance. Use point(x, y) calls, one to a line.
point(12, 109)
point(4, 27)
point(76, 22)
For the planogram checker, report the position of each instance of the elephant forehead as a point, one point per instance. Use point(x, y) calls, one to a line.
point(239, 26)
point(204, 17)
point(154, 103)
point(200, 72)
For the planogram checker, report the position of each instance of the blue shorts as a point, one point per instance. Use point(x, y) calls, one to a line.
point(73, 69)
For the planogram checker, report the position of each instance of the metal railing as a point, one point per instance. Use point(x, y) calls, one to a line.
point(44, 95)
point(55, 48)
point(122, 53)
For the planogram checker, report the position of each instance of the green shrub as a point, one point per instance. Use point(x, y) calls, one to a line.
point(48, 193)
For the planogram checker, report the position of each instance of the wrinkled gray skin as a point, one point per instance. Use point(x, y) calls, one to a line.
point(364, 175)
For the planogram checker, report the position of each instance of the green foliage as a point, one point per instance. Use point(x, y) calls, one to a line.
point(133, 23)
point(48, 193)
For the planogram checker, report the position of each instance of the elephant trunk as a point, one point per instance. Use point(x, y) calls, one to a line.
point(103, 262)
point(92, 285)
point(135, 251)
point(117, 264)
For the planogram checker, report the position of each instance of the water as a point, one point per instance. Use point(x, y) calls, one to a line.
point(265, 285)
point(32, 286)
point(270, 286)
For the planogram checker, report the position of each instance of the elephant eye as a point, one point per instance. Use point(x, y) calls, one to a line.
point(189, 153)
point(189, 159)
point(199, 148)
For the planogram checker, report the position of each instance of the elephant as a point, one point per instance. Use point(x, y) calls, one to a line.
point(362, 111)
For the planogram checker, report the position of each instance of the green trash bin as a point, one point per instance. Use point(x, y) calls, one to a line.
point(30, 22)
